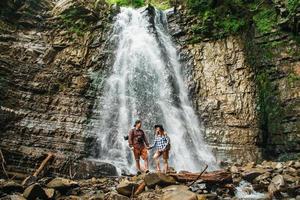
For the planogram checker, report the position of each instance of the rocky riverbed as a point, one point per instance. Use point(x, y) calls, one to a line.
point(265, 180)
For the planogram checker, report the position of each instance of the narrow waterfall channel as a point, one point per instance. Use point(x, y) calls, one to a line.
point(145, 82)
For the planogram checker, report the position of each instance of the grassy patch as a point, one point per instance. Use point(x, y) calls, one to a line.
point(265, 20)
point(160, 4)
point(132, 3)
point(218, 19)
point(73, 19)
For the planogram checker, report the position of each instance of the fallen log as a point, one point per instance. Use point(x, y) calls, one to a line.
point(31, 179)
point(199, 176)
point(140, 188)
point(220, 176)
point(3, 163)
point(43, 164)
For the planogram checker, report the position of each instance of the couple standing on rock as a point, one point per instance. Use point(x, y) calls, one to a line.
point(139, 144)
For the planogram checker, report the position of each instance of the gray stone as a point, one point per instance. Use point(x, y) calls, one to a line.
point(34, 191)
point(62, 184)
point(11, 187)
point(179, 195)
point(88, 168)
point(126, 187)
point(116, 196)
point(278, 181)
point(160, 179)
point(14, 197)
point(49, 192)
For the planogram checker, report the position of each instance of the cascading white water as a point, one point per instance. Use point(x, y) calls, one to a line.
point(146, 83)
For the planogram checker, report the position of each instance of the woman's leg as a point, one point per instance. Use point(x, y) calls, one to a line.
point(156, 158)
point(166, 163)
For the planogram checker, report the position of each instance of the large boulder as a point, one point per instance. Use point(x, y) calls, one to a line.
point(86, 169)
point(10, 187)
point(34, 191)
point(14, 197)
point(251, 174)
point(160, 179)
point(127, 187)
point(50, 192)
point(116, 196)
point(62, 184)
point(178, 192)
point(276, 184)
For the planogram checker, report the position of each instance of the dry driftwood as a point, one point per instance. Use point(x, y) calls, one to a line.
point(30, 179)
point(43, 164)
point(140, 188)
point(3, 163)
point(208, 177)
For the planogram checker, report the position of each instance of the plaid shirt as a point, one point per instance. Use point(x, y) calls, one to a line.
point(160, 142)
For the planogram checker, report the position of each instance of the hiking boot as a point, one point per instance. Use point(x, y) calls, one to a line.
point(138, 173)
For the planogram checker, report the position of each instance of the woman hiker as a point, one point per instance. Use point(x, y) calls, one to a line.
point(162, 145)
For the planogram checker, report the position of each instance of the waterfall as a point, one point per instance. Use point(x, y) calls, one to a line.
point(145, 82)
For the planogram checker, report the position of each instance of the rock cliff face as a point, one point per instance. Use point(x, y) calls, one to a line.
point(245, 89)
point(48, 51)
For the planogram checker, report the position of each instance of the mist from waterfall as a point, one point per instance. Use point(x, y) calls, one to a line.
point(145, 82)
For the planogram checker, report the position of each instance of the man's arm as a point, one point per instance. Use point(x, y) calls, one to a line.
point(153, 145)
point(130, 138)
point(145, 139)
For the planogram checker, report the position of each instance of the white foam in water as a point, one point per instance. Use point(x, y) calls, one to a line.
point(146, 83)
point(246, 191)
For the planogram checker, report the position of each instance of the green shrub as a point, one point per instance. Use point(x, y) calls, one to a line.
point(198, 6)
point(75, 22)
point(269, 108)
point(265, 20)
point(292, 5)
point(133, 3)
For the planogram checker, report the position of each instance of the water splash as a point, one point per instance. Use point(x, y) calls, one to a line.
point(245, 191)
point(146, 83)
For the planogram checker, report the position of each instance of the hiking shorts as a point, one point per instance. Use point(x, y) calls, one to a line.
point(140, 152)
point(165, 154)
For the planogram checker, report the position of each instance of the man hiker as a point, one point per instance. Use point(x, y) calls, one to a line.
point(162, 145)
point(138, 143)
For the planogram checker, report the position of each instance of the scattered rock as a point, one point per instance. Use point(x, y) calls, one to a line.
point(34, 191)
point(49, 192)
point(116, 196)
point(175, 188)
point(278, 181)
point(234, 169)
point(11, 187)
point(126, 187)
point(179, 195)
point(252, 174)
point(14, 197)
point(276, 184)
point(88, 168)
point(62, 184)
point(160, 179)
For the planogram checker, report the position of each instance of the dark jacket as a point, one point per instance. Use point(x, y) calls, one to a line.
point(137, 138)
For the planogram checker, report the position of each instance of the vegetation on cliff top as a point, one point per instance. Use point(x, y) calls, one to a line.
point(162, 4)
point(221, 18)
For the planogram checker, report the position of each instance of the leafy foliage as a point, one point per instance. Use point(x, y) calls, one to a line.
point(133, 3)
point(161, 4)
point(219, 18)
point(73, 20)
point(265, 20)
point(292, 5)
